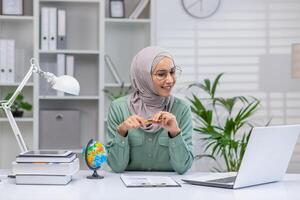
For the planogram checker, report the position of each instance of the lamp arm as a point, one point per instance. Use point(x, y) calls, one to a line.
point(15, 129)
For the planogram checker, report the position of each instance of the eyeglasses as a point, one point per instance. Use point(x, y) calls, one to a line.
point(175, 72)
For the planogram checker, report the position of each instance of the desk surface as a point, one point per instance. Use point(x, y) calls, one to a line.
point(111, 187)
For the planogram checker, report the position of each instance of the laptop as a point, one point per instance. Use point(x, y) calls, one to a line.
point(265, 160)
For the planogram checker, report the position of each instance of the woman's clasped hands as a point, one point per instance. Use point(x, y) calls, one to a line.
point(165, 119)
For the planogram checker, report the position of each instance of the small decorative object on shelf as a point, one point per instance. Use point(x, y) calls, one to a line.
point(12, 7)
point(19, 105)
point(140, 7)
point(111, 66)
point(116, 8)
point(95, 155)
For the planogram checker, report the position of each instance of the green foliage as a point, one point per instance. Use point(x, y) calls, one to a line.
point(219, 120)
point(19, 103)
point(120, 92)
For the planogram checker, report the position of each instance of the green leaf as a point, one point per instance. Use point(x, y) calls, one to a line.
point(215, 84)
point(200, 156)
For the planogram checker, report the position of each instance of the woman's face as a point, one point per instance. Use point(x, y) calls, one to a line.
point(163, 77)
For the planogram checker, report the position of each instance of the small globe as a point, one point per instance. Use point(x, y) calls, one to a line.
point(95, 155)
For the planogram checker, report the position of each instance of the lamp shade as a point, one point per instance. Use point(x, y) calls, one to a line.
point(66, 84)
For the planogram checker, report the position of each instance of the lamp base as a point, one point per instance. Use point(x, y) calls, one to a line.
point(95, 176)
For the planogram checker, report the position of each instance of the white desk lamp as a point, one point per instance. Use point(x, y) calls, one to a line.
point(63, 83)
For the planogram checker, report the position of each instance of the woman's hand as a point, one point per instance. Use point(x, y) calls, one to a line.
point(168, 121)
point(134, 121)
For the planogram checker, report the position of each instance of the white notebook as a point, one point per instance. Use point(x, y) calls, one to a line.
point(30, 159)
point(48, 153)
point(42, 180)
point(149, 181)
point(48, 168)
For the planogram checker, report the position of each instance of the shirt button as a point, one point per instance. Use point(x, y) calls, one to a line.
point(123, 142)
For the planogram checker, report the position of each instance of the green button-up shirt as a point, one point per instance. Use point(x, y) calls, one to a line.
point(144, 151)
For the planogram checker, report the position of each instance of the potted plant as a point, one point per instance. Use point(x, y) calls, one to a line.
point(19, 105)
point(223, 124)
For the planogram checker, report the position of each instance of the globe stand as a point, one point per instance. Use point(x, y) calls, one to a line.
point(95, 176)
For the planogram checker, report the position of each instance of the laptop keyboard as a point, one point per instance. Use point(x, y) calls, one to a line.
point(223, 180)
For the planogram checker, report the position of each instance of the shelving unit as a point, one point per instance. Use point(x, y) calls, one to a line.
point(90, 35)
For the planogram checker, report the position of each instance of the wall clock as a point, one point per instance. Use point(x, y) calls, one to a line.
point(200, 8)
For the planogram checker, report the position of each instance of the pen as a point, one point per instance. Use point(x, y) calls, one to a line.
point(149, 121)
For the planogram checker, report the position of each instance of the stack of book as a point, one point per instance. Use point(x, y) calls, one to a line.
point(45, 167)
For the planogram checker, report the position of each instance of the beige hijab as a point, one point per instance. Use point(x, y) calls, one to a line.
point(144, 101)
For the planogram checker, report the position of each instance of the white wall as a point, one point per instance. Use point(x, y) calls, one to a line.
point(251, 41)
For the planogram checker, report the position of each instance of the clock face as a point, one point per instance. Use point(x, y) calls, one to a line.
point(201, 8)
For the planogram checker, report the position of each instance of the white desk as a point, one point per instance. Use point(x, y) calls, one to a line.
point(111, 187)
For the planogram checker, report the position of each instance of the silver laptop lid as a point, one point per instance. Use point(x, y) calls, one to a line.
point(267, 155)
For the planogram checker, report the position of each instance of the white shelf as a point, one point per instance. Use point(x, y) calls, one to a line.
point(116, 85)
point(69, 97)
point(126, 20)
point(66, 51)
point(9, 17)
point(15, 84)
point(24, 119)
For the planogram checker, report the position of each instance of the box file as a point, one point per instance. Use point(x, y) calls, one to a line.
point(10, 61)
point(44, 28)
point(52, 28)
point(70, 65)
point(61, 29)
point(59, 129)
point(3, 58)
point(60, 69)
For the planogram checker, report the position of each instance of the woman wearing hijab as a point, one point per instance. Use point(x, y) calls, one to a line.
point(150, 130)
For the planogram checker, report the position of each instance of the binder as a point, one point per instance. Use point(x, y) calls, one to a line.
point(44, 28)
point(10, 61)
point(70, 65)
point(60, 69)
point(52, 28)
point(2, 62)
point(61, 29)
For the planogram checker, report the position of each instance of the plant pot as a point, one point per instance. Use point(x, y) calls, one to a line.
point(18, 113)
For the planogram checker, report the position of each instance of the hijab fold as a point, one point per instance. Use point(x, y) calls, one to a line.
point(144, 101)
